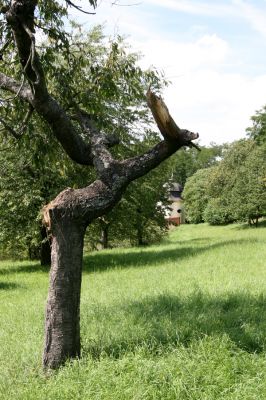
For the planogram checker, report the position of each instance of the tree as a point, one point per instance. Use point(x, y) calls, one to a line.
point(196, 196)
point(188, 160)
point(233, 190)
point(258, 129)
point(29, 179)
point(237, 185)
point(248, 196)
point(78, 129)
point(40, 174)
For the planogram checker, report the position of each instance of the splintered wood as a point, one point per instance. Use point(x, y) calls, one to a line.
point(164, 121)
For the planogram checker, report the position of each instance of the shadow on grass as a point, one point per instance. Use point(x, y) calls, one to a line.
point(24, 269)
point(8, 286)
point(244, 226)
point(160, 323)
point(103, 261)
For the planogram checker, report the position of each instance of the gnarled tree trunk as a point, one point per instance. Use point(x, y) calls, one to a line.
point(62, 327)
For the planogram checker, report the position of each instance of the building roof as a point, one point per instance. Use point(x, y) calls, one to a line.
point(176, 187)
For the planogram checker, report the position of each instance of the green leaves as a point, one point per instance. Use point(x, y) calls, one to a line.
point(258, 129)
point(101, 77)
point(234, 190)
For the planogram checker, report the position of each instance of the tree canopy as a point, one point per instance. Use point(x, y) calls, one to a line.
point(233, 190)
point(258, 129)
point(35, 169)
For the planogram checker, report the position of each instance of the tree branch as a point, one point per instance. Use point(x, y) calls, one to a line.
point(165, 122)
point(103, 160)
point(174, 137)
point(13, 86)
point(20, 17)
point(79, 8)
point(10, 129)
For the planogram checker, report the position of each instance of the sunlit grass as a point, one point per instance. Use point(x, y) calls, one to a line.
point(182, 320)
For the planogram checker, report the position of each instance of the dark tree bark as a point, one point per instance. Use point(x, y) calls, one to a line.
point(68, 215)
point(45, 248)
point(62, 328)
point(139, 228)
point(104, 233)
point(104, 237)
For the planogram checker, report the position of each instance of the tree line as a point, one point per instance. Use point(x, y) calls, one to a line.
point(235, 188)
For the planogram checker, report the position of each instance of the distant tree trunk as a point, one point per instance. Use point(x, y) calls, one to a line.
point(45, 248)
point(104, 240)
point(140, 236)
point(33, 252)
point(104, 237)
point(139, 228)
point(62, 326)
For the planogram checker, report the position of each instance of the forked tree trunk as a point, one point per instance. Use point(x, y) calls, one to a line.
point(62, 322)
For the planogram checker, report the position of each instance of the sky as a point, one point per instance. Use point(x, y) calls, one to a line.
point(213, 52)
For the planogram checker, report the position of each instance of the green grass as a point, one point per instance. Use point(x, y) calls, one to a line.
point(182, 320)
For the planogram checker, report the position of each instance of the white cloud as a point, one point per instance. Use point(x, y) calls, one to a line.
point(177, 58)
point(195, 7)
point(255, 16)
point(204, 95)
point(217, 105)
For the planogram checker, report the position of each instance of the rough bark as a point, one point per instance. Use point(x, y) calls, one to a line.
point(67, 217)
point(62, 327)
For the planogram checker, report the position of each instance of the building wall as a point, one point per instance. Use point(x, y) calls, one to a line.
point(176, 215)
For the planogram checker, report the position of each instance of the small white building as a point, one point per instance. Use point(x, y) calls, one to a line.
point(175, 214)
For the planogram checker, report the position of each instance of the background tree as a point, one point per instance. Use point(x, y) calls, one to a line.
point(234, 189)
point(188, 160)
point(248, 196)
point(77, 124)
point(258, 129)
point(196, 196)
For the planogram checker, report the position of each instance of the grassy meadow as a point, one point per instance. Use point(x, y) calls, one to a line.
point(185, 319)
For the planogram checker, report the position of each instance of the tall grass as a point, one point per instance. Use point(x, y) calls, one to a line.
point(182, 320)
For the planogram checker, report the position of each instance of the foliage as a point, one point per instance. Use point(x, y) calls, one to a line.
point(249, 191)
point(196, 196)
point(258, 129)
point(32, 174)
point(185, 319)
point(216, 212)
point(238, 183)
point(188, 160)
point(234, 190)
point(30, 177)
